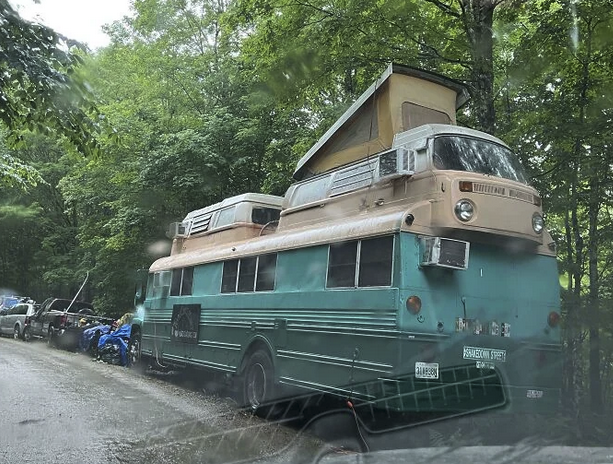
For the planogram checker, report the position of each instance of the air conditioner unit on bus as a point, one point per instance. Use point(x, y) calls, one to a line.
point(444, 252)
point(395, 163)
point(177, 230)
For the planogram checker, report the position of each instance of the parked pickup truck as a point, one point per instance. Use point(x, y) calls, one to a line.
point(62, 323)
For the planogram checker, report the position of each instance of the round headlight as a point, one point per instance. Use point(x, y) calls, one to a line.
point(537, 223)
point(464, 210)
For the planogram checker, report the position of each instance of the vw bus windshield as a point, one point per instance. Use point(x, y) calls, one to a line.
point(477, 155)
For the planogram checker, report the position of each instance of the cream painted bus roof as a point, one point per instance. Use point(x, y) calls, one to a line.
point(341, 229)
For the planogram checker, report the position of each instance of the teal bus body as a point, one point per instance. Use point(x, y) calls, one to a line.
point(359, 341)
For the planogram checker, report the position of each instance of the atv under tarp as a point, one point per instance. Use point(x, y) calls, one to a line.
point(113, 347)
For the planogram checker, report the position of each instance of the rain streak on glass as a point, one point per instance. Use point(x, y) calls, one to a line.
point(480, 156)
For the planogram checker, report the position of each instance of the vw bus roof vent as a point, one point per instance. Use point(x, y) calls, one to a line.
point(200, 223)
point(380, 167)
point(353, 177)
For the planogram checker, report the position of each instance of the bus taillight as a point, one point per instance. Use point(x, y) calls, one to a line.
point(553, 319)
point(414, 304)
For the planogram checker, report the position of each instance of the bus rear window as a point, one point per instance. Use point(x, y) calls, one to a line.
point(476, 155)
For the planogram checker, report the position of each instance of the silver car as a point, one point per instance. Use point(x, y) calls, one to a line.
point(16, 320)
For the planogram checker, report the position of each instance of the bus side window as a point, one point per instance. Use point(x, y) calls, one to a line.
point(187, 281)
point(230, 273)
point(376, 262)
point(161, 283)
point(182, 280)
point(342, 264)
point(149, 288)
point(175, 285)
point(246, 275)
point(267, 266)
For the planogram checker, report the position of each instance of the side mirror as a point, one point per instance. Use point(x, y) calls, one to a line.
point(3, 312)
point(143, 279)
point(139, 297)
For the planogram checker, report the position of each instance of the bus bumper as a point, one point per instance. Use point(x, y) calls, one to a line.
point(516, 377)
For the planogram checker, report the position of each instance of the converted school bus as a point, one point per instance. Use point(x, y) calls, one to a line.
point(408, 268)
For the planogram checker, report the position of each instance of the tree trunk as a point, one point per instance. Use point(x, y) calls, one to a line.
point(478, 18)
point(594, 309)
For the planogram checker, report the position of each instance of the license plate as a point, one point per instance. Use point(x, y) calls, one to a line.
point(484, 365)
point(484, 354)
point(534, 394)
point(426, 370)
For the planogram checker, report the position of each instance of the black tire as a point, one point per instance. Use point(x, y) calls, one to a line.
point(258, 382)
point(16, 333)
point(27, 334)
point(50, 337)
point(135, 356)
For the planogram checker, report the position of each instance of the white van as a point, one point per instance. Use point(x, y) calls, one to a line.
point(16, 320)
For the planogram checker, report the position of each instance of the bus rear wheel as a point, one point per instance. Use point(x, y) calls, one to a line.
point(258, 381)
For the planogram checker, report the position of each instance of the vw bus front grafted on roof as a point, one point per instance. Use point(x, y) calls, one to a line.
point(456, 180)
point(409, 270)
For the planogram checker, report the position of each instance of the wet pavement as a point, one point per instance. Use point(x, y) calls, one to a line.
point(62, 407)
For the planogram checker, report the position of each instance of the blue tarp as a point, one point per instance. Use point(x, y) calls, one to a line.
point(88, 335)
point(118, 338)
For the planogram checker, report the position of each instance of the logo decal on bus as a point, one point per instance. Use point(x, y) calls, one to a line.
point(185, 323)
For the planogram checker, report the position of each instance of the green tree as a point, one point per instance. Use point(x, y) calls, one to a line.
point(561, 82)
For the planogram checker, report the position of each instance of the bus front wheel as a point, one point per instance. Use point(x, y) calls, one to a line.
point(135, 357)
point(258, 381)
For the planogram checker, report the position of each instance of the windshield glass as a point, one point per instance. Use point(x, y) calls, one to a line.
point(476, 155)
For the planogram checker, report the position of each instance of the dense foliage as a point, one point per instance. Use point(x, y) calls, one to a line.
point(211, 98)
